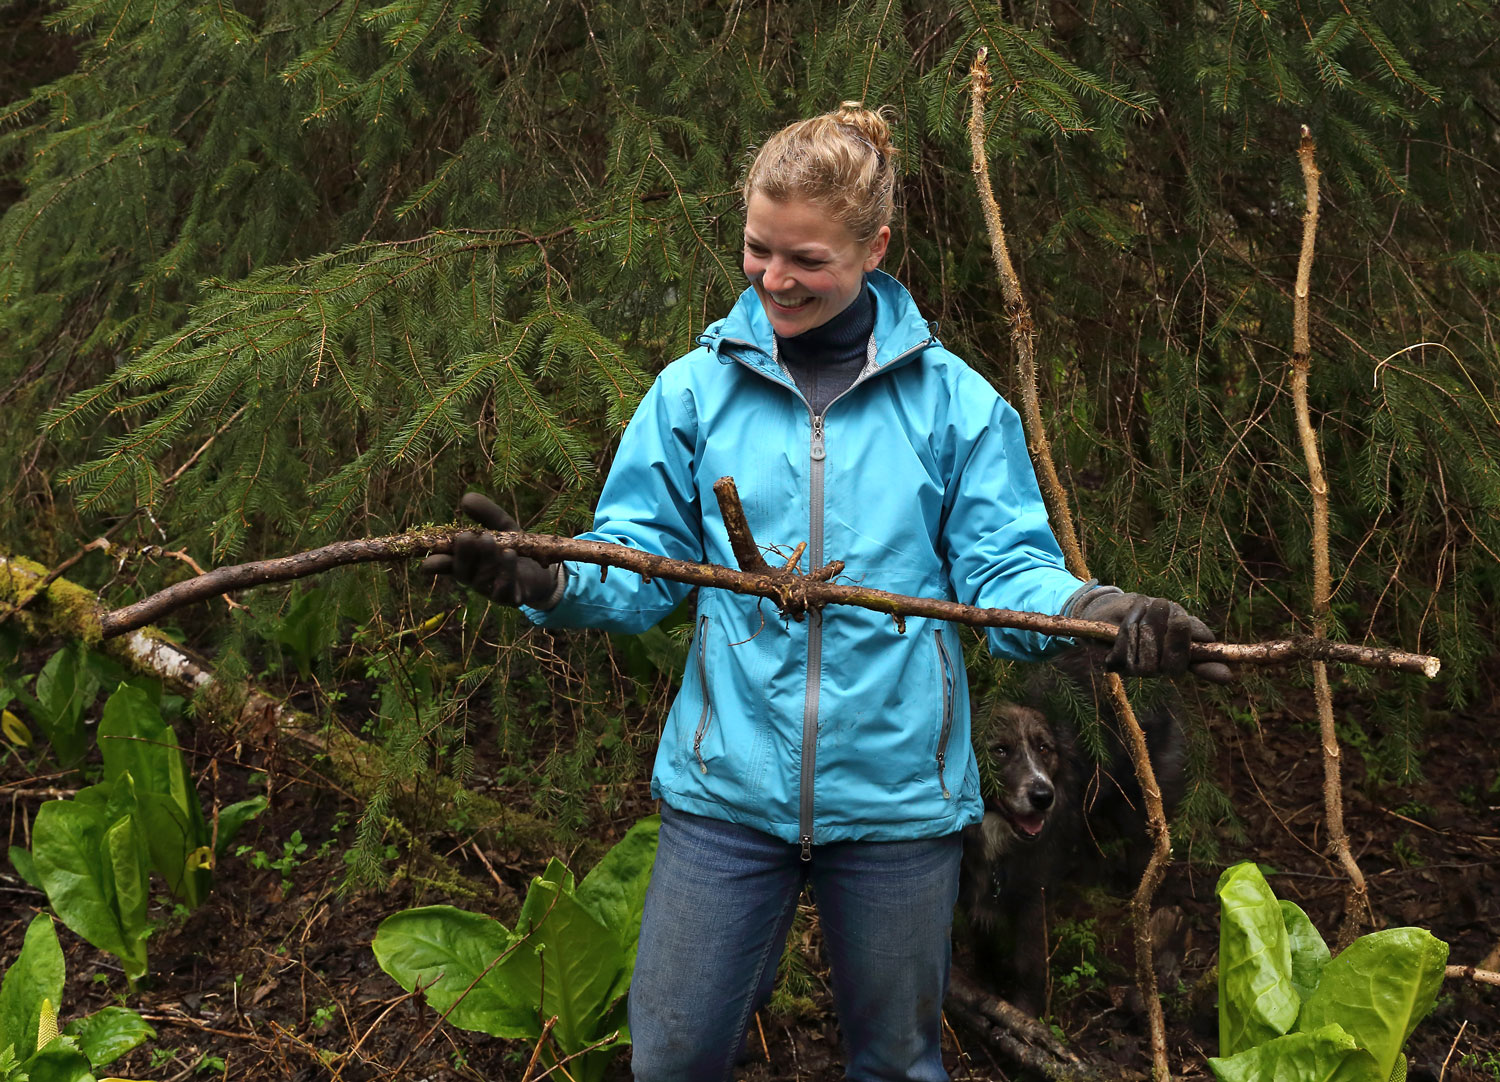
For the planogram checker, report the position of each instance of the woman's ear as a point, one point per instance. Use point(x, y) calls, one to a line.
point(877, 248)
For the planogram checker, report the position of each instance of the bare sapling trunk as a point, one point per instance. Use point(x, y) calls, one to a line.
point(1357, 897)
point(1022, 337)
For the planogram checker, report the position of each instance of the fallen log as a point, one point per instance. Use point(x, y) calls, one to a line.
point(1022, 1039)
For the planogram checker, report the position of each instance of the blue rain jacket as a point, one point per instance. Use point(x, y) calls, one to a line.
point(837, 726)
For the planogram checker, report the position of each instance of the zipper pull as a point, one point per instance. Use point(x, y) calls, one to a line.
point(817, 438)
point(806, 848)
point(941, 762)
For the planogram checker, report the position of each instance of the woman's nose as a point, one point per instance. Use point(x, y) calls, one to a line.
point(776, 277)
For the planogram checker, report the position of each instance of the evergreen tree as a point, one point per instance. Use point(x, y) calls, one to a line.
point(383, 252)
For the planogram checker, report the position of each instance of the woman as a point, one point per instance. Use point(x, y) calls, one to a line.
point(833, 751)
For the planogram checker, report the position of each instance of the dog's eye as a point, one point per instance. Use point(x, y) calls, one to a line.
point(1043, 748)
point(1002, 750)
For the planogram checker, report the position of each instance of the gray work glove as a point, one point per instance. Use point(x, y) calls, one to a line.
point(1154, 634)
point(499, 574)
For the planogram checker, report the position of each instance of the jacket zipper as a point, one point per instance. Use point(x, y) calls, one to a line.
point(942, 748)
point(707, 715)
point(818, 453)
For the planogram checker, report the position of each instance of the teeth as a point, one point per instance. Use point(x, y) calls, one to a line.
point(790, 302)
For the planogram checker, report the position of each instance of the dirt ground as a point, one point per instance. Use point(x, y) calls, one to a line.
point(274, 978)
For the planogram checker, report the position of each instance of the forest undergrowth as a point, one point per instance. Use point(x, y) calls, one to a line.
point(273, 975)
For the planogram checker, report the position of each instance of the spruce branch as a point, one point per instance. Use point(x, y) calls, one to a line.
point(1022, 335)
point(103, 540)
point(1357, 901)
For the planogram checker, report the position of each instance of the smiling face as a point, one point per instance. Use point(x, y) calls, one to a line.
point(805, 267)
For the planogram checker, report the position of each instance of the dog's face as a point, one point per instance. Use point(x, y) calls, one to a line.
point(1026, 767)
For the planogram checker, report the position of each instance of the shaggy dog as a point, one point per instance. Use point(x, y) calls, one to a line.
point(1054, 814)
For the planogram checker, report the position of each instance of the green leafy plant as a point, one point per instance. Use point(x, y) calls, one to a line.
point(305, 630)
point(1288, 1010)
point(56, 703)
point(1077, 957)
point(65, 689)
point(570, 956)
point(31, 1046)
point(291, 857)
point(93, 855)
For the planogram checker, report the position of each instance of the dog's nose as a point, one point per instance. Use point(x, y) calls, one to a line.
point(1040, 797)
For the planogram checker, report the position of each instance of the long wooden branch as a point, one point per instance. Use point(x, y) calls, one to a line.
point(1357, 902)
point(791, 592)
point(1022, 334)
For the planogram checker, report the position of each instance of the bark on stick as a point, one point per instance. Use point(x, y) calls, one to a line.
point(792, 593)
point(1357, 903)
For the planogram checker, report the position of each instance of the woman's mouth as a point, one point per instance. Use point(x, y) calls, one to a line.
point(789, 304)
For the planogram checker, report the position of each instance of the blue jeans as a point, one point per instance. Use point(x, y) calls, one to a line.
point(718, 909)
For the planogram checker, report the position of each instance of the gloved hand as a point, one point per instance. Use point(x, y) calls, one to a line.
point(1154, 635)
point(499, 574)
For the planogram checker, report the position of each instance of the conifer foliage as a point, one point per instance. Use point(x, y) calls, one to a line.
point(385, 251)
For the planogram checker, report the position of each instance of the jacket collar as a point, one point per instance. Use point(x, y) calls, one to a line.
point(899, 327)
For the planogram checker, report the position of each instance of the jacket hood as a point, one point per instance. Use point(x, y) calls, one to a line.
point(899, 325)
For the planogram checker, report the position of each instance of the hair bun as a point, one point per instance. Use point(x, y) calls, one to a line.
point(869, 124)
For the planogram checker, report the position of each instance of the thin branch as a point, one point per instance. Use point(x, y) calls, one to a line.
point(1443, 1071)
point(1022, 335)
point(1357, 901)
point(537, 1051)
point(1483, 976)
point(1022, 332)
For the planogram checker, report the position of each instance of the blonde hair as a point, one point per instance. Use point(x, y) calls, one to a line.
point(843, 161)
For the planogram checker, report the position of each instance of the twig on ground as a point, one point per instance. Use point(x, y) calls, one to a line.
point(43, 794)
point(537, 1051)
point(1483, 976)
point(478, 852)
point(1451, 1048)
point(353, 1052)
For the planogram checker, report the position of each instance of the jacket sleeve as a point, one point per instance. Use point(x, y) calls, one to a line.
point(649, 502)
point(1000, 549)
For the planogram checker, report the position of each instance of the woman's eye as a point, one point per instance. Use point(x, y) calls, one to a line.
point(810, 264)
